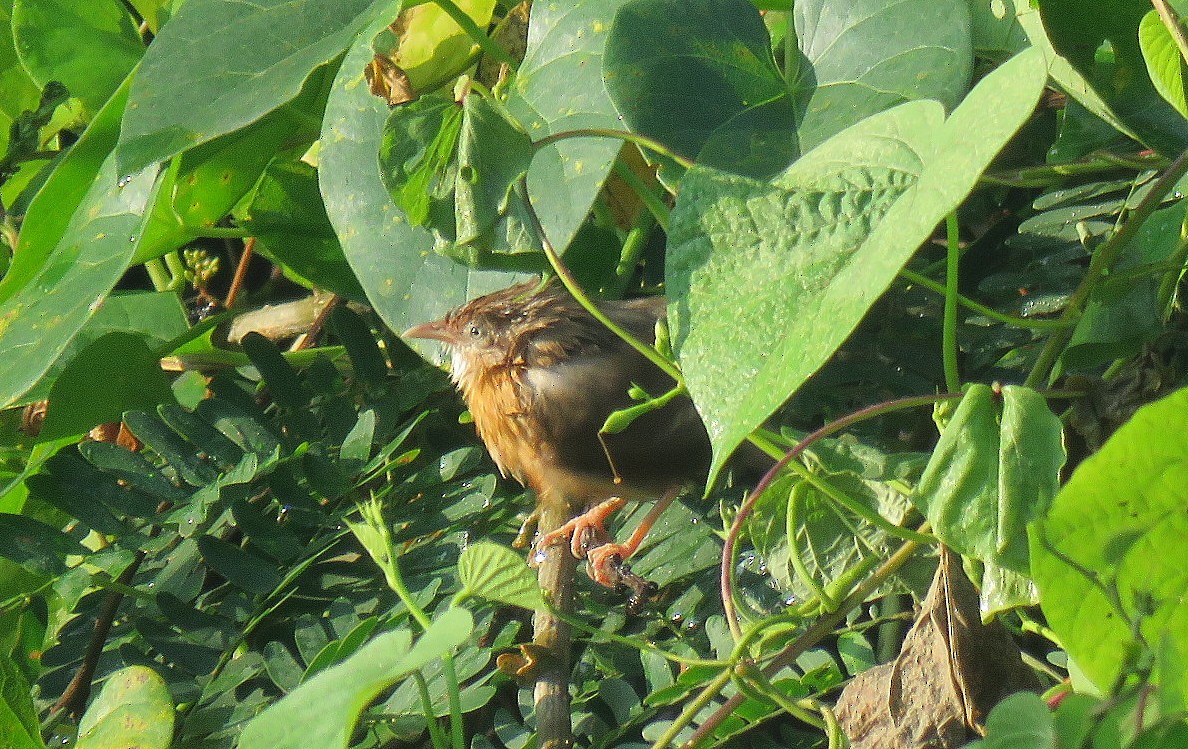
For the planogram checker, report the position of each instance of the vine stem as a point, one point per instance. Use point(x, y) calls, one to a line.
point(748, 506)
point(949, 327)
point(573, 287)
point(814, 634)
point(605, 132)
point(1099, 265)
point(981, 309)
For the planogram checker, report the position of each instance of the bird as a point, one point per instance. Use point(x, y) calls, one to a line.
point(540, 375)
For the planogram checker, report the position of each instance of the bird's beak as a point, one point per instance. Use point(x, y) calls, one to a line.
point(435, 330)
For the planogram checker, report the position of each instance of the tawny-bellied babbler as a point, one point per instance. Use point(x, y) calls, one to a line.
point(540, 375)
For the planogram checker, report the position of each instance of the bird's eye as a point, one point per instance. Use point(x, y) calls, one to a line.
point(474, 331)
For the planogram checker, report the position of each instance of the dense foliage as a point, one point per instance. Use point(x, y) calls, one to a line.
point(859, 211)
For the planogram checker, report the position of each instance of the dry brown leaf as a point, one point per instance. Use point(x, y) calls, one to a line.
point(950, 671)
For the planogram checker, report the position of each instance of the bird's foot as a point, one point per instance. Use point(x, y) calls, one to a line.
point(586, 532)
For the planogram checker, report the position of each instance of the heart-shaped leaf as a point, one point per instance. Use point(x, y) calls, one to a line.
point(767, 279)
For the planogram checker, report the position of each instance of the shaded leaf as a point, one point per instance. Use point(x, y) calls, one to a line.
point(90, 46)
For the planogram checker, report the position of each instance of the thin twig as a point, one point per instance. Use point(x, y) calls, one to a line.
point(249, 247)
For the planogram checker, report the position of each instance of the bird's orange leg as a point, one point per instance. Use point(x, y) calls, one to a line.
point(603, 562)
point(592, 522)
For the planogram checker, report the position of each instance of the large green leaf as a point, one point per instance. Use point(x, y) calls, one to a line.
point(133, 710)
point(53, 295)
point(116, 373)
point(405, 280)
point(241, 61)
point(558, 87)
point(869, 55)
point(682, 71)
point(1100, 38)
point(766, 280)
point(1108, 558)
point(322, 711)
point(994, 470)
point(855, 59)
point(90, 46)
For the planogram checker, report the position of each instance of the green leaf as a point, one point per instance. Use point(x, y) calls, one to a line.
point(116, 373)
point(18, 717)
point(288, 219)
point(322, 712)
point(494, 572)
point(994, 470)
point(405, 280)
point(753, 266)
point(664, 54)
point(857, 59)
point(236, 69)
point(90, 46)
point(1164, 63)
point(133, 710)
point(1080, 29)
point(1021, 720)
point(1108, 556)
point(241, 568)
point(492, 155)
point(21, 93)
point(417, 158)
point(869, 55)
point(558, 87)
point(49, 297)
point(155, 317)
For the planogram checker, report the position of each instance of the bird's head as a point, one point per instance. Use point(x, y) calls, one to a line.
point(483, 334)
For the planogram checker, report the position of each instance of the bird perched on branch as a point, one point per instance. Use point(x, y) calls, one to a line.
point(540, 375)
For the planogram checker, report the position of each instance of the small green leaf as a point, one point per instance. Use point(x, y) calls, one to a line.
point(133, 710)
point(1163, 59)
point(995, 469)
point(37, 547)
point(492, 155)
point(322, 712)
point(1109, 555)
point(417, 157)
point(494, 572)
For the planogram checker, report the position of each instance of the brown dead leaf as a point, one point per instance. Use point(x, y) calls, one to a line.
point(950, 671)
